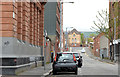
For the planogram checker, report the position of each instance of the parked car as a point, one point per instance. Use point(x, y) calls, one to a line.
point(83, 50)
point(78, 58)
point(65, 62)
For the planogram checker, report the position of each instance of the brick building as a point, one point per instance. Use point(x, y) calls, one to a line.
point(74, 38)
point(22, 25)
point(96, 45)
point(100, 46)
point(52, 23)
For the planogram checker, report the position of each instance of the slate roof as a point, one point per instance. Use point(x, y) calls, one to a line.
point(74, 30)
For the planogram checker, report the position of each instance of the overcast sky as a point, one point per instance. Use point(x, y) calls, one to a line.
point(82, 13)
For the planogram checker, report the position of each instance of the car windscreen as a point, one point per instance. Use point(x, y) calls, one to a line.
point(65, 57)
point(76, 55)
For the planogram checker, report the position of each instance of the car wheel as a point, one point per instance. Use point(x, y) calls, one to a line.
point(54, 72)
point(76, 72)
point(81, 64)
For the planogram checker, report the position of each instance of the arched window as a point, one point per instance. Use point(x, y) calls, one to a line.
point(73, 35)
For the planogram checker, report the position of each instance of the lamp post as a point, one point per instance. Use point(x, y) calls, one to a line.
point(114, 38)
point(61, 23)
point(45, 35)
point(114, 41)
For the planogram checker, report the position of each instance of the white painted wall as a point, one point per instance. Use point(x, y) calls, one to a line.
point(104, 43)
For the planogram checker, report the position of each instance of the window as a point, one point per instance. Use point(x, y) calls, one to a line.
point(72, 44)
point(65, 57)
point(75, 39)
point(73, 35)
point(72, 39)
point(75, 44)
point(13, 9)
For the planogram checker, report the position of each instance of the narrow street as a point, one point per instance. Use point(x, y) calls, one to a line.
point(93, 67)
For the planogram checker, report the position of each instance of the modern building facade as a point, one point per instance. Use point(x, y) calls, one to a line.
point(52, 23)
point(74, 38)
point(22, 28)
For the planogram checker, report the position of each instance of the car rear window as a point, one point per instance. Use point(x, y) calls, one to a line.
point(65, 57)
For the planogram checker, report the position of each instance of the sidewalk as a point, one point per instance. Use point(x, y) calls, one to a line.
point(38, 71)
point(88, 53)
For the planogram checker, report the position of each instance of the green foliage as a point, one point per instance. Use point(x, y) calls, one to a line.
point(93, 35)
point(89, 40)
point(82, 38)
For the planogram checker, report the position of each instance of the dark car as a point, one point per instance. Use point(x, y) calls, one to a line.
point(78, 58)
point(65, 62)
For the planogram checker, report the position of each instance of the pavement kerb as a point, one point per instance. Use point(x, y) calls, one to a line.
point(48, 73)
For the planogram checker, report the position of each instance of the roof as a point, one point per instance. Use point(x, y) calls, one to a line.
point(74, 30)
point(99, 35)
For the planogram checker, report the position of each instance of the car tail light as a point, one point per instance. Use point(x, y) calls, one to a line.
point(74, 57)
point(55, 58)
point(15, 60)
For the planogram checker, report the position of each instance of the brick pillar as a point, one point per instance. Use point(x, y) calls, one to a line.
point(31, 23)
point(25, 22)
point(38, 28)
point(19, 21)
point(42, 29)
point(28, 7)
point(35, 25)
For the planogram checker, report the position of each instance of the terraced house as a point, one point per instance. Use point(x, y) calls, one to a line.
point(22, 25)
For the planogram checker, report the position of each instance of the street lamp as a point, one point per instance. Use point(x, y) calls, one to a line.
point(45, 35)
point(61, 23)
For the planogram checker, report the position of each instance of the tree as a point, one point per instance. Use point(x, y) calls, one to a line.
point(92, 35)
point(102, 26)
point(82, 38)
point(90, 40)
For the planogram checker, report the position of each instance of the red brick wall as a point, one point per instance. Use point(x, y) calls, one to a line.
point(96, 45)
point(8, 23)
point(57, 49)
point(28, 24)
point(58, 17)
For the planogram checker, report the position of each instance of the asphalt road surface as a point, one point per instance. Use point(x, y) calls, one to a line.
point(92, 67)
